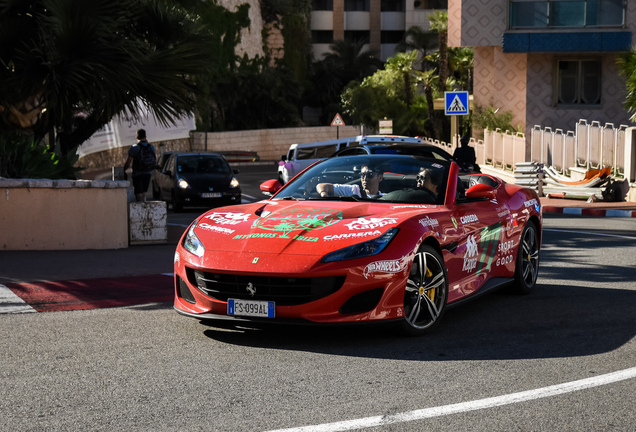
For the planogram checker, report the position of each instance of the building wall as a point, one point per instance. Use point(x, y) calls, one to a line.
point(524, 83)
point(270, 144)
point(500, 81)
point(542, 111)
point(251, 37)
point(476, 22)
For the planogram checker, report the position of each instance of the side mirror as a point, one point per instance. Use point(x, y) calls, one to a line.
point(235, 171)
point(481, 191)
point(270, 187)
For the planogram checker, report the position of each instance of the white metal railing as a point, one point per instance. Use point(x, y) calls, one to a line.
point(590, 146)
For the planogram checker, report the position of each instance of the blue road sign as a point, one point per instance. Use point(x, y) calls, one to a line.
point(456, 103)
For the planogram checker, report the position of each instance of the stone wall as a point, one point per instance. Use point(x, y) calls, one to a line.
point(117, 156)
point(270, 144)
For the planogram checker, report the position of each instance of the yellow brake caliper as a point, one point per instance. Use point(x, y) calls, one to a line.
point(431, 292)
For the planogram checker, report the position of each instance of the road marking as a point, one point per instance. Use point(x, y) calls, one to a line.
point(512, 398)
point(11, 303)
point(250, 197)
point(590, 233)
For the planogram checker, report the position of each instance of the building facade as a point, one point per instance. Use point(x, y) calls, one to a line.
point(380, 23)
point(550, 62)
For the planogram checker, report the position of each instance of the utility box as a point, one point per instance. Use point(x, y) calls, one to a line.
point(147, 222)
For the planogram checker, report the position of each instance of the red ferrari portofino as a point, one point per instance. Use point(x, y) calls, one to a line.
point(361, 239)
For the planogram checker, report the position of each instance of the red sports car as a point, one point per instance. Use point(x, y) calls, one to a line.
point(361, 239)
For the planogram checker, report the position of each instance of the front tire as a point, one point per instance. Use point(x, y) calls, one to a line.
point(527, 266)
point(426, 292)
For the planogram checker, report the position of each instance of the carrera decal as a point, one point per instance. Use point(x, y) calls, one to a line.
point(228, 218)
point(347, 236)
point(306, 219)
point(370, 223)
point(468, 219)
point(387, 266)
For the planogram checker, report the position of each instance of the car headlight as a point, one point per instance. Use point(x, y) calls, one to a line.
point(183, 184)
point(234, 183)
point(191, 242)
point(368, 248)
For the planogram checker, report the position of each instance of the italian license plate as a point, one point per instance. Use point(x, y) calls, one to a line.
point(255, 308)
point(211, 195)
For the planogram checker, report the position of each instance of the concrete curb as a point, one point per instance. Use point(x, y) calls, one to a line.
point(589, 211)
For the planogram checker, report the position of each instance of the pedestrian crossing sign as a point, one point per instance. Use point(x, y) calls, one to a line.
point(456, 103)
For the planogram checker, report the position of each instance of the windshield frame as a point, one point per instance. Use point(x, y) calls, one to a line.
point(399, 173)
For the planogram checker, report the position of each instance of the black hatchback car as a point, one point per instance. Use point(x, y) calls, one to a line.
point(196, 180)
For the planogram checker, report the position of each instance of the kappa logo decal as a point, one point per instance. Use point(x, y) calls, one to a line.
point(488, 240)
point(370, 223)
point(470, 257)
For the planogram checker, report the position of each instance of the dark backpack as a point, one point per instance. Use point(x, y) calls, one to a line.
point(146, 160)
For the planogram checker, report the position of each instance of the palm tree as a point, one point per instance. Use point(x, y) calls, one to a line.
point(403, 65)
point(416, 38)
point(351, 60)
point(348, 61)
point(439, 23)
point(627, 67)
point(69, 66)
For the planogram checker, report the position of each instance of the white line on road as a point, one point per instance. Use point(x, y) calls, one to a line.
point(11, 303)
point(590, 233)
point(469, 406)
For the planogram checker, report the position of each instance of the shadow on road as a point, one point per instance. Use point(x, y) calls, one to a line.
point(555, 321)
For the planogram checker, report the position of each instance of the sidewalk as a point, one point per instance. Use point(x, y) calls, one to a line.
point(580, 207)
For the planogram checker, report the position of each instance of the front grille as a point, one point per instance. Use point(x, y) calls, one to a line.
point(285, 291)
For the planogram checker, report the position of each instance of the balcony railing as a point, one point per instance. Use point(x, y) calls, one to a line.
point(526, 14)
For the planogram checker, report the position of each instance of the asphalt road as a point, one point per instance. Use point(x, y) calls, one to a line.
point(562, 358)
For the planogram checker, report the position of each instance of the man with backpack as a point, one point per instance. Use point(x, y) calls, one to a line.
point(143, 159)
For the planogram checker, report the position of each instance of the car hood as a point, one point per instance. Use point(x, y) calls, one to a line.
point(299, 228)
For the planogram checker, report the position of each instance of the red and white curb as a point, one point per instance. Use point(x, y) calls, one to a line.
point(11, 303)
point(589, 211)
point(81, 294)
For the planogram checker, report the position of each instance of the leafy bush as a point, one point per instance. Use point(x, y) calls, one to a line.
point(21, 157)
point(491, 119)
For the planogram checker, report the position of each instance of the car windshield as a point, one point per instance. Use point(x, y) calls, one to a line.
point(390, 178)
point(202, 164)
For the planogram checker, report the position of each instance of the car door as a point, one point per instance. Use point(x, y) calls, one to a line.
point(479, 233)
